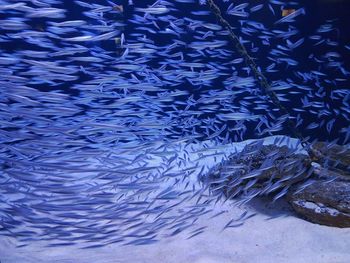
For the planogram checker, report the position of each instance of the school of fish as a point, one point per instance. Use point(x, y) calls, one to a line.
point(106, 112)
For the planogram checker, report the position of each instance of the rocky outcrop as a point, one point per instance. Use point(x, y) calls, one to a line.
point(317, 194)
point(259, 170)
point(326, 200)
point(334, 152)
point(325, 203)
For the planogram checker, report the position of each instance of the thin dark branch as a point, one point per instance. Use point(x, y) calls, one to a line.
point(259, 76)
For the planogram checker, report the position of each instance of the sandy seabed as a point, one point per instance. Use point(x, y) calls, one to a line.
point(274, 234)
point(262, 238)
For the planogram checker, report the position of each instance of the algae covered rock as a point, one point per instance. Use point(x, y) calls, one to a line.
point(334, 152)
point(327, 200)
point(325, 203)
point(259, 170)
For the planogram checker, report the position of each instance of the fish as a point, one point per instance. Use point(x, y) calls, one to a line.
point(111, 118)
point(49, 12)
point(153, 10)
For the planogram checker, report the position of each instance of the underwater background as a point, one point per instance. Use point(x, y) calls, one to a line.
point(101, 100)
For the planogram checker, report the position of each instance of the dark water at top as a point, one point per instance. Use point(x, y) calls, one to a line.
point(316, 14)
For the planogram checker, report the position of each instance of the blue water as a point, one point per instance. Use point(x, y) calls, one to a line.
point(80, 117)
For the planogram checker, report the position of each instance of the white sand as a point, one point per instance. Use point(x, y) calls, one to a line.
point(284, 238)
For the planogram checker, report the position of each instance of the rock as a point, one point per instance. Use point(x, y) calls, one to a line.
point(336, 154)
point(327, 200)
point(335, 151)
point(259, 170)
point(269, 169)
point(324, 202)
point(331, 174)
